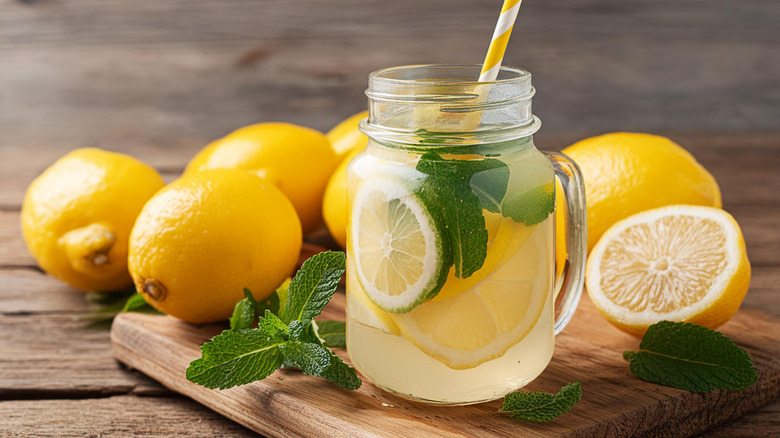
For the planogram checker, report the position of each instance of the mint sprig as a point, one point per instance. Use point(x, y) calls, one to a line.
point(243, 355)
point(541, 407)
point(691, 357)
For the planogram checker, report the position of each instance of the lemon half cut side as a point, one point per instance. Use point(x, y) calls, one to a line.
point(678, 263)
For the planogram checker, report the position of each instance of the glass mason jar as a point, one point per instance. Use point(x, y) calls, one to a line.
point(451, 277)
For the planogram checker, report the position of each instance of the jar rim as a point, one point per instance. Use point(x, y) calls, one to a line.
point(506, 74)
point(400, 97)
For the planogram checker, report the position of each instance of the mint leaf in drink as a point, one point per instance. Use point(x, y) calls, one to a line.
point(532, 206)
point(541, 407)
point(236, 357)
point(332, 333)
point(241, 356)
point(313, 286)
point(448, 195)
point(488, 178)
point(691, 357)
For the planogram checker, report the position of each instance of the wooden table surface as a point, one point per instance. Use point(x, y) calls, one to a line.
point(158, 80)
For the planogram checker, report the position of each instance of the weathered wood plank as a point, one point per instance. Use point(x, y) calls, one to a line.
point(763, 423)
point(25, 291)
point(143, 68)
point(118, 416)
point(615, 403)
point(56, 355)
point(13, 250)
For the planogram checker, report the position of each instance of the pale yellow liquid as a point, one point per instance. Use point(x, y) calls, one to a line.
point(394, 363)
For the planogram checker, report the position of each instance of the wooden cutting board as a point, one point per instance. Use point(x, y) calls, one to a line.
point(614, 403)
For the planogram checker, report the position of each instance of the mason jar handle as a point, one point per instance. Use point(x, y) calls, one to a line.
point(569, 286)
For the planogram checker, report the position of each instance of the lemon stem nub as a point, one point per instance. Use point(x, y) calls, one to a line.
point(88, 247)
point(154, 289)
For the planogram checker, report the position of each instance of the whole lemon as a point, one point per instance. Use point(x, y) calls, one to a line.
point(561, 212)
point(205, 237)
point(334, 205)
point(627, 173)
point(77, 216)
point(297, 160)
point(346, 137)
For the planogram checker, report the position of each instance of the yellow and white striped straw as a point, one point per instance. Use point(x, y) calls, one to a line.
point(498, 43)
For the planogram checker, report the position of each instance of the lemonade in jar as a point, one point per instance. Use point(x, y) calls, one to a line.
point(451, 288)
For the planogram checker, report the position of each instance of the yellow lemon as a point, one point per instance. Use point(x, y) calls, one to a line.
point(205, 237)
point(678, 263)
point(78, 213)
point(334, 204)
point(346, 137)
point(626, 173)
point(297, 160)
point(561, 255)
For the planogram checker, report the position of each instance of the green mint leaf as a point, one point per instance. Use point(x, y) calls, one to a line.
point(236, 357)
point(297, 330)
point(245, 312)
point(271, 303)
point(332, 333)
point(136, 303)
point(273, 326)
point(341, 374)
point(691, 357)
point(313, 286)
point(281, 294)
point(311, 358)
point(338, 372)
point(541, 407)
point(448, 195)
point(532, 206)
point(488, 179)
point(240, 356)
point(114, 303)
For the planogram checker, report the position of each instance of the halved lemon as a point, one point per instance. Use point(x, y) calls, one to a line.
point(482, 323)
point(396, 246)
point(677, 263)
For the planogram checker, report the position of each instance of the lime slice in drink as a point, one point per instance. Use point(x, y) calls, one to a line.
point(396, 245)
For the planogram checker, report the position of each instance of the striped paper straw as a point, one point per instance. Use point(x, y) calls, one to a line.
point(498, 43)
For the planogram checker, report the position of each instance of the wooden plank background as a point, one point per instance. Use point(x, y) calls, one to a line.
point(159, 79)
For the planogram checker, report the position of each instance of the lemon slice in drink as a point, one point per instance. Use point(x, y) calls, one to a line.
point(396, 245)
point(505, 236)
point(362, 310)
point(678, 263)
point(483, 322)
